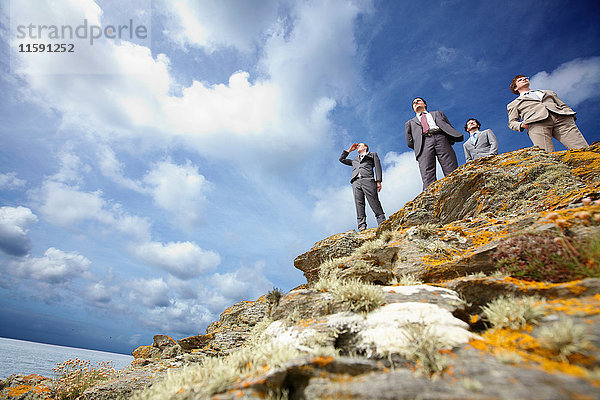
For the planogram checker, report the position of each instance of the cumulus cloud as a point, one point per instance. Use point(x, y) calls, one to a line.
point(183, 260)
point(179, 189)
point(213, 24)
point(112, 168)
point(305, 68)
point(55, 267)
point(67, 205)
point(334, 208)
point(13, 230)
point(574, 81)
point(151, 292)
point(163, 311)
point(245, 283)
point(184, 317)
point(9, 181)
point(402, 180)
point(100, 293)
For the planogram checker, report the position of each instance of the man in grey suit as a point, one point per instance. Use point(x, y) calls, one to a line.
point(431, 136)
point(544, 115)
point(480, 143)
point(364, 183)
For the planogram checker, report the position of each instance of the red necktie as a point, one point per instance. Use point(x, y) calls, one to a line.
point(424, 123)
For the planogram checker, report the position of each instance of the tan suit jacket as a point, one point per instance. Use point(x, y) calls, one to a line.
point(529, 110)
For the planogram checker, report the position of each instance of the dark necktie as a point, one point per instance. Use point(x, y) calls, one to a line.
point(424, 123)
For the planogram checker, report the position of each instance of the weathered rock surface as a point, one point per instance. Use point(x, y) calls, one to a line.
point(25, 387)
point(230, 332)
point(340, 245)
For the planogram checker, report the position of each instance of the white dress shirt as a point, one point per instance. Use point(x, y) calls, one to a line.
point(534, 94)
point(430, 121)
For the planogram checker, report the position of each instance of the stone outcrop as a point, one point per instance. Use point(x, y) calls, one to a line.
point(230, 331)
point(399, 311)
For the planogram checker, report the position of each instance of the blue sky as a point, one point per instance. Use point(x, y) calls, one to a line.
point(146, 185)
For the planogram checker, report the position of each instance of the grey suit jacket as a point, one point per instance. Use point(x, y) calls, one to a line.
point(530, 110)
point(365, 167)
point(486, 144)
point(414, 131)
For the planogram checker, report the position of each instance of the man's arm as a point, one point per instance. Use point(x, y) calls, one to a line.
point(468, 156)
point(455, 136)
point(345, 153)
point(409, 137)
point(493, 141)
point(514, 120)
point(344, 159)
point(378, 171)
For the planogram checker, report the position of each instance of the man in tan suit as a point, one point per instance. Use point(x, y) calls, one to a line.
point(544, 116)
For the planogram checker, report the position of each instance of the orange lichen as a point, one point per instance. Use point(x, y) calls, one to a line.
point(576, 306)
point(574, 287)
point(322, 361)
point(529, 349)
point(19, 390)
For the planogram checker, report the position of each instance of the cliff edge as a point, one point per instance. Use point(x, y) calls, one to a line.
point(485, 286)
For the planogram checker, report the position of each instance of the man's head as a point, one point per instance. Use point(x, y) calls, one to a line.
point(419, 105)
point(362, 148)
point(519, 83)
point(472, 123)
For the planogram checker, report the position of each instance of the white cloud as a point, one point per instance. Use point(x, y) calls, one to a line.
point(307, 67)
point(213, 24)
point(9, 181)
point(246, 283)
point(163, 311)
point(183, 260)
point(99, 293)
point(334, 209)
point(574, 81)
point(185, 317)
point(446, 54)
point(13, 230)
point(55, 267)
point(401, 180)
point(70, 168)
point(150, 292)
point(179, 189)
point(66, 205)
point(113, 169)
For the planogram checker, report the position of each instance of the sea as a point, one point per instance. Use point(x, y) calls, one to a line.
point(23, 357)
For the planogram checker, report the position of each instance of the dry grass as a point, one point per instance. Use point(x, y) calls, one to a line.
point(357, 296)
point(426, 348)
point(565, 337)
point(512, 312)
point(215, 375)
point(405, 280)
point(74, 376)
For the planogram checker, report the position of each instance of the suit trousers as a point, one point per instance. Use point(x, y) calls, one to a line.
point(436, 145)
point(366, 187)
point(560, 127)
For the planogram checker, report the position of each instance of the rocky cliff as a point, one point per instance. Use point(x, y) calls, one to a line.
point(485, 286)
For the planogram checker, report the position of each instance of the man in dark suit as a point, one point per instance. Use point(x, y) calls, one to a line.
point(480, 143)
point(364, 183)
point(431, 136)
